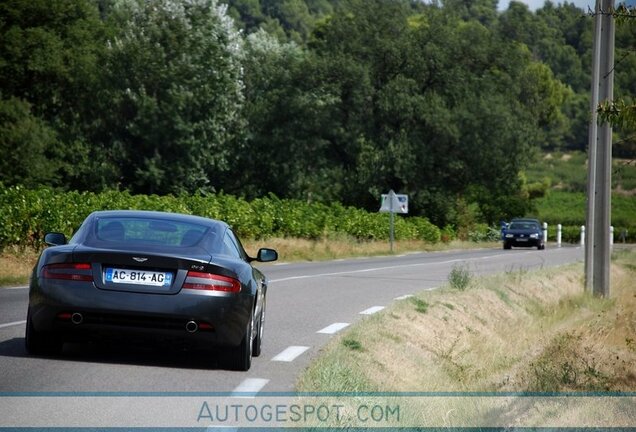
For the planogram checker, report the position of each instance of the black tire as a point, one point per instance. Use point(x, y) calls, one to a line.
point(541, 246)
point(243, 353)
point(507, 245)
point(37, 343)
point(258, 338)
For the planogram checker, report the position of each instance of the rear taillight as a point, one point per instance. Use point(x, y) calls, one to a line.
point(68, 271)
point(211, 282)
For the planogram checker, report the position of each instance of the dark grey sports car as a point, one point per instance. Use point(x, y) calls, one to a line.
point(152, 275)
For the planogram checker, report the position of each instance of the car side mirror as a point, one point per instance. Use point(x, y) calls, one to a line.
point(55, 239)
point(266, 255)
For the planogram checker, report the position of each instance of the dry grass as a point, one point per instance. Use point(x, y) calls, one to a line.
point(16, 265)
point(334, 248)
point(317, 250)
point(512, 332)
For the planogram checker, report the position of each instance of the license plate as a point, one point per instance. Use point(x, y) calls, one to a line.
point(522, 239)
point(138, 277)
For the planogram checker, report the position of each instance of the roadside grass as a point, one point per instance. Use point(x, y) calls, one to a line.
point(16, 264)
point(517, 331)
point(459, 277)
point(294, 249)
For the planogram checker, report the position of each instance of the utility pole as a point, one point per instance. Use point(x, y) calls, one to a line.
point(597, 248)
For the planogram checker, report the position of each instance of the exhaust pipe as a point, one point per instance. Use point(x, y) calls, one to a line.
point(192, 327)
point(77, 318)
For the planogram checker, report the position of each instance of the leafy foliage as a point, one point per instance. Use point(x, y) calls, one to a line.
point(319, 101)
point(459, 277)
point(27, 214)
point(24, 142)
point(48, 66)
point(176, 88)
point(621, 113)
point(569, 209)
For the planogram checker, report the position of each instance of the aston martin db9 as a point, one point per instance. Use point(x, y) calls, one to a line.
point(149, 275)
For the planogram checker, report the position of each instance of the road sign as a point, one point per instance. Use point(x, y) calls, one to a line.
point(395, 203)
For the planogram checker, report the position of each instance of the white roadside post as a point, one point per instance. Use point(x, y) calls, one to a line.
point(582, 235)
point(611, 236)
point(559, 234)
point(545, 233)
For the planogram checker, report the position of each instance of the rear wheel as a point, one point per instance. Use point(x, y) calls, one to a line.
point(38, 343)
point(258, 338)
point(243, 353)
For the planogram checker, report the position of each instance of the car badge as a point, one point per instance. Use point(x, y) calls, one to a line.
point(140, 259)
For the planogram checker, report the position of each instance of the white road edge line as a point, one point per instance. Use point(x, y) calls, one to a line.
point(372, 310)
point(383, 268)
point(404, 297)
point(15, 323)
point(15, 288)
point(333, 328)
point(289, 354)
point(250, 385)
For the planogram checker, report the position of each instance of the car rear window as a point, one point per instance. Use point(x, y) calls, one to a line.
point(147, 231)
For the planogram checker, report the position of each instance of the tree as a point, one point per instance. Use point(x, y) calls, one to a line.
point(24, 142)
point(48, 71)
point(622, 113)
point(560, 37)
point(434, 106)
point(287, 109)
point(173, 95)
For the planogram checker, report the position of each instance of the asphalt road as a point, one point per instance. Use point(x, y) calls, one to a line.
point(307, 304)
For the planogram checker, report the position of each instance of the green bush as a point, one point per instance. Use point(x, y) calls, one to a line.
point(459, 277)
point(569, 208)
point(26, 215)
point(484, 233)
point(426, 230)
point(448, 234)
point(571, 234)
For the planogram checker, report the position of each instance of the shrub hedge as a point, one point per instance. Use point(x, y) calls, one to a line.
point(27, 214)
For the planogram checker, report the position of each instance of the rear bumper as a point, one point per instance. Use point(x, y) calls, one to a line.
point(221, 317)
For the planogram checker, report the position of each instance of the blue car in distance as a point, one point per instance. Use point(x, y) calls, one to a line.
point(524, 233)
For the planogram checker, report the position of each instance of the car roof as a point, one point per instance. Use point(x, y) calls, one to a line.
point(180, 217)
point(525, 220)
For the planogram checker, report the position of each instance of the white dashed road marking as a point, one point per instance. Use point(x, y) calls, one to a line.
point(404, 297)
point(251, 385)
point(15, 323)
point(372, 310)
point(290, 353)
point(333, 328)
